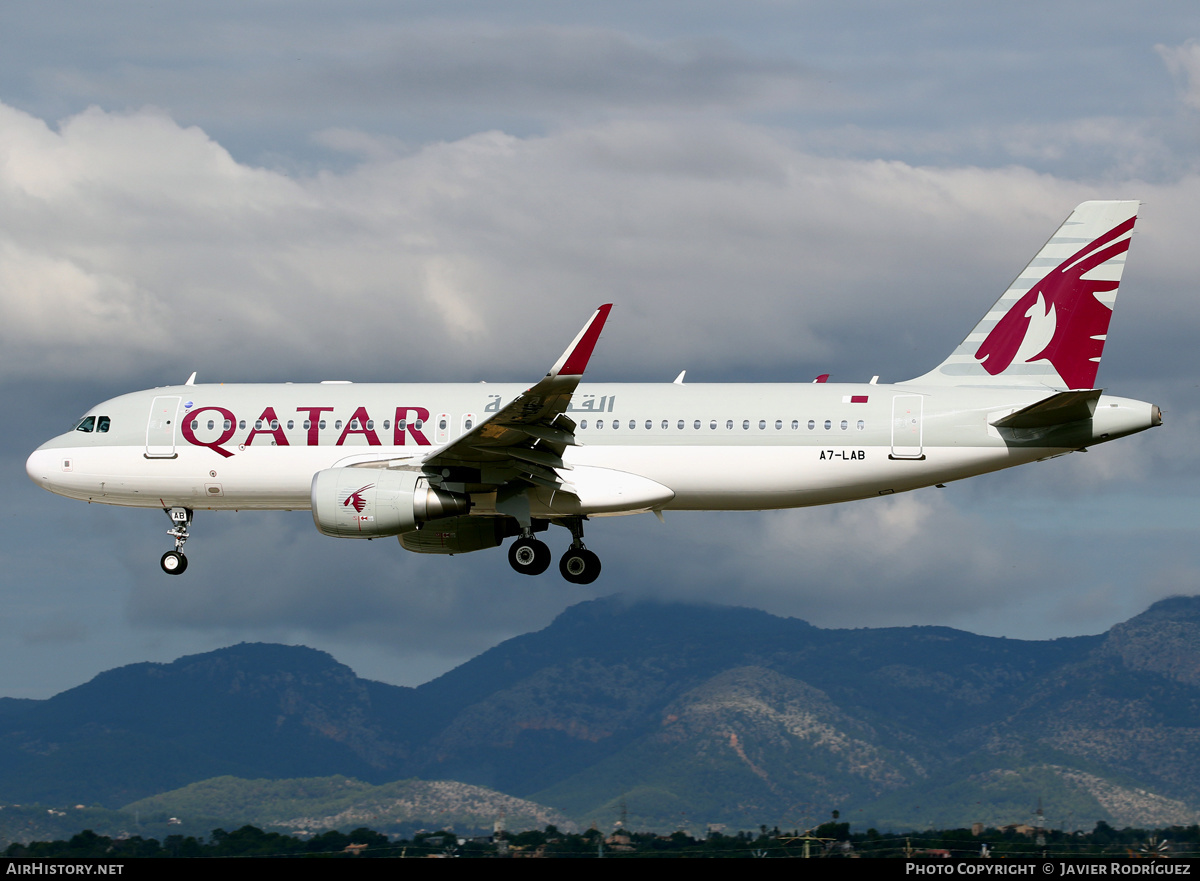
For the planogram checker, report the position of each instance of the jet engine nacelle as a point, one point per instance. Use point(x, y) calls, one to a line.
point(369, 502)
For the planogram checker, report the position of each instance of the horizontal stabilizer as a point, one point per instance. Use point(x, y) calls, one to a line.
point(1055, 410)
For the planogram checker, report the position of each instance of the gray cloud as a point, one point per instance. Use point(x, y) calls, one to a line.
point(446, 192)
point(1184, 63)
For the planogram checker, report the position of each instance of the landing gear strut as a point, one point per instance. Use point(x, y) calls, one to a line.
point(578, 565)
point(174, 562)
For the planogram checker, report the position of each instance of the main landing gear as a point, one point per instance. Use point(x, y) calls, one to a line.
point(529, 556)
point(174, 562)
point(578, 565)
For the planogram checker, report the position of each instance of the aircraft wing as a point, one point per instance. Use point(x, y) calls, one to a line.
point(527, 437)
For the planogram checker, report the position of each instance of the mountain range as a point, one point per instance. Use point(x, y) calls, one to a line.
point(670, 715)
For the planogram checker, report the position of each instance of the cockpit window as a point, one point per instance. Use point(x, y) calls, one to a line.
point(93, 423)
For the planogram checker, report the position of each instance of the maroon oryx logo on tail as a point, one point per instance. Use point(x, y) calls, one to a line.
point(355, 499)
point(1080, 320)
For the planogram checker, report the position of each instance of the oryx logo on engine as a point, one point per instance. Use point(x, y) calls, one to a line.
point(355, 499)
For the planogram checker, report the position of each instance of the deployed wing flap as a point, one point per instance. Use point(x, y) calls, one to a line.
point(532, 431)
point(549, 433)
point(538, 457)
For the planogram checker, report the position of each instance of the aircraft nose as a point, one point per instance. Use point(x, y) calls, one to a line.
point(37, 466)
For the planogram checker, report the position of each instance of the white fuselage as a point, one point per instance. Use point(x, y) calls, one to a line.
point(638, 446)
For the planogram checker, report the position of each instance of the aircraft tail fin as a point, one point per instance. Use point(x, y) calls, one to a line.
point(1048, 329)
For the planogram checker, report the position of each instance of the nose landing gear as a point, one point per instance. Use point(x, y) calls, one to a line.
point(174, 562)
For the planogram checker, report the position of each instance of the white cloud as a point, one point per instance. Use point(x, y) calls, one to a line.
point(131, 229)
point(1184, 63)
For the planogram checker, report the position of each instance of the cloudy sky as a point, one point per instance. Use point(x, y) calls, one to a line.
point(265, 191)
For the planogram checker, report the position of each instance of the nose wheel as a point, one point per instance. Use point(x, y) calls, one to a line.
point(174, 562)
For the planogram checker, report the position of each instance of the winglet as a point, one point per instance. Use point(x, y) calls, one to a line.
point(575, 359)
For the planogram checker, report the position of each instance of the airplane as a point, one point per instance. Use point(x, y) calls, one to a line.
point(455, 468)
